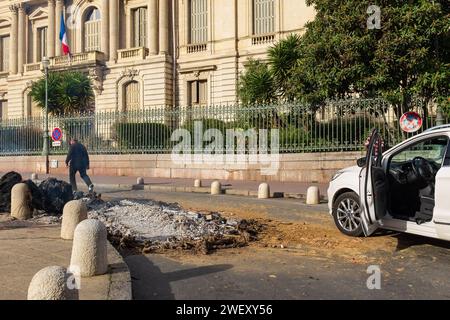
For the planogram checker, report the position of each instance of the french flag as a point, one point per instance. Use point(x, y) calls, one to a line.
point(63, 37)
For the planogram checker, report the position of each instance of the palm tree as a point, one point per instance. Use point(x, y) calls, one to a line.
point(256, 84)
point(68, 93)
point(283, 57)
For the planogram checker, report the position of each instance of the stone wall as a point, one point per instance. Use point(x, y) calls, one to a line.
point(305, 167)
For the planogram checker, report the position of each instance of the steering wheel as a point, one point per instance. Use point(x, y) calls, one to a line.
point(423, 169)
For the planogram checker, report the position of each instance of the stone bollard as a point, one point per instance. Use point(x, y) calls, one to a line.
point(198, 183)
point(89, 249)
point(264, 191)
point(313, 196)
point(20, 202)
point(34, 176)
point(74, 212)
point(216, 188)
point(52, 283)
point(140, 181)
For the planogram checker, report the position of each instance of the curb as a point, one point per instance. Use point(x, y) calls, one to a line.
point(204, 190)
point(120, 277)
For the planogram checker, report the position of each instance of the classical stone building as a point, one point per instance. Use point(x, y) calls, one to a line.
point(140, 53)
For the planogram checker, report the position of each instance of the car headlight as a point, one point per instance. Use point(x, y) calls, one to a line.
point(337, 175)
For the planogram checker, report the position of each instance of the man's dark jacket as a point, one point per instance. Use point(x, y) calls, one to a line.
point(78, 156)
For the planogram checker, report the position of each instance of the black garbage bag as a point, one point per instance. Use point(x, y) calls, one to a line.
point(55, 194)
point(36, 195)
point(7, 182)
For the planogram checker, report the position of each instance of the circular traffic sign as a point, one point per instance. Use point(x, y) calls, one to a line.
point(411, 122)
point(57, 134)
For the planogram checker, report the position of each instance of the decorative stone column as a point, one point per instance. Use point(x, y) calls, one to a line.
point(21, 29)
point(105, 27)
point(58, 12)
point(163, 26)
point(113, 29)
point(13, 42)
point(51, 29)
point(153, 27)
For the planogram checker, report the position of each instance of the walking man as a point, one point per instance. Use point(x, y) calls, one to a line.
point(78, 161)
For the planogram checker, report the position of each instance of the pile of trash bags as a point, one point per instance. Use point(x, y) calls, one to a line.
point(7, 182)
point(50, 196)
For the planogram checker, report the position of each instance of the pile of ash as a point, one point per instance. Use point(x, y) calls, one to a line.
point(156, 226)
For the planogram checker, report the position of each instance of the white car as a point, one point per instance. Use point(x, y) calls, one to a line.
point(406, 189)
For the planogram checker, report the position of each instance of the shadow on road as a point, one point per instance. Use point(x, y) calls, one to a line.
point(405, 241)
point(150, 283)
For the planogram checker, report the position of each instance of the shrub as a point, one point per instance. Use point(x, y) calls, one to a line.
point(142, 136)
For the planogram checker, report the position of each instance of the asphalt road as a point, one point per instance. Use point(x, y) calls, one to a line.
point(415, 268)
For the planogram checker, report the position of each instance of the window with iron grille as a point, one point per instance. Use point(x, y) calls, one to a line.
point(263, 17)
point(140, 27)
point(132, 96)
point(92, 28)
point(198, 21)
point(198, 92)
point(4, 53)
point(42, 38)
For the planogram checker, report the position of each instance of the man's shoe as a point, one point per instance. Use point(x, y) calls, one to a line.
point(91, 188)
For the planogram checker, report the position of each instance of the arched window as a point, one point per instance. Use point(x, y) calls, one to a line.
point(92, 30)
point(132, 99)
point(33, 109)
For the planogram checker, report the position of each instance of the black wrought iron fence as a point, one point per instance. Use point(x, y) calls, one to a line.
point(337, 126)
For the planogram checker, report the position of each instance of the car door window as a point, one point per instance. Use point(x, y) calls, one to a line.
point(433, 150)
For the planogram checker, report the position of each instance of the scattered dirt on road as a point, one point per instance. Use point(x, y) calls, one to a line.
point(316, 239)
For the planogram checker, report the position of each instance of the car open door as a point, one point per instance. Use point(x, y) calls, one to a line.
point(441, 213)
point(373, 186)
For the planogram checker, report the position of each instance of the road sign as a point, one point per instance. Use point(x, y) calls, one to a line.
point(57, 134)
point(56, 143)
point(411, 122)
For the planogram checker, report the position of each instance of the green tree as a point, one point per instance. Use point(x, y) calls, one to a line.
point(283, 57)
point(68, 93)
point(256, 85)
point(408, 56)
point(338, 56)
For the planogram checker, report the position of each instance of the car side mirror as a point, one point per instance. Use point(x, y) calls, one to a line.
point(361, 162)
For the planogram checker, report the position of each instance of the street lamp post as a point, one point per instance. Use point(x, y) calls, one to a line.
point(45, 148)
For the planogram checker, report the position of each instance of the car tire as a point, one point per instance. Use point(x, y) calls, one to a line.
point(347, 214)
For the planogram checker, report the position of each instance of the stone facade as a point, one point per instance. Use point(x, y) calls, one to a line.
point(208, 42)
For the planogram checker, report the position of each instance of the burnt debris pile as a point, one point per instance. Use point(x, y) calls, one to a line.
point(49, 197)
point(55, 195)
point(153, 226)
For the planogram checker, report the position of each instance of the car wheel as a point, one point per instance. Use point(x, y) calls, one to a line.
point(347, 214)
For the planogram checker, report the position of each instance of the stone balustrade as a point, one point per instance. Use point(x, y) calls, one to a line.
point(139, 53)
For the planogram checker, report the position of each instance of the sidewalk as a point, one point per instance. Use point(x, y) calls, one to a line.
point(246, 188)
point(26, 248)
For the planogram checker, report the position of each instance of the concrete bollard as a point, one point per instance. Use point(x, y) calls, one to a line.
point(89, 249)
point(20, 202)
point(264, 191)
point(216, 188)
point(198, 183)
point(34, 176)
point(52, 283)
point(74, 212)
point(313, 196)
point(140, 181)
